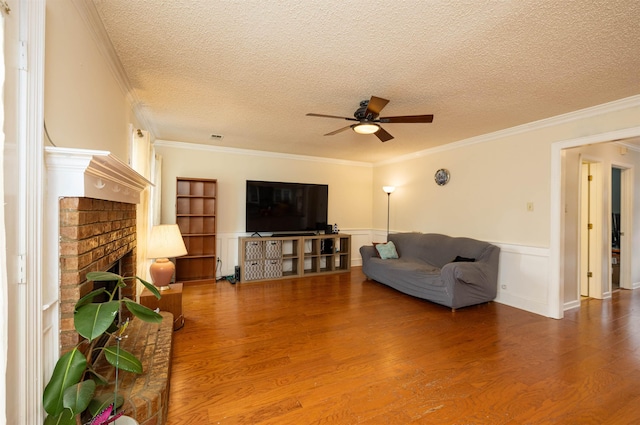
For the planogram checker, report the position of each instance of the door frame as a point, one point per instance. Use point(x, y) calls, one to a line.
point(626, 223)
point(555, 295)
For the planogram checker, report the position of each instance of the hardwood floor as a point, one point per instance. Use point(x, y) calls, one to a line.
point(343, 350)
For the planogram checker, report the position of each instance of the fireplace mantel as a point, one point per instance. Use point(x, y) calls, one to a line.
point(92, 174)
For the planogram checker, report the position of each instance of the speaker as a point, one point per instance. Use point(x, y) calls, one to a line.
point(328, 230)
point(326, 246)
point(237, 275)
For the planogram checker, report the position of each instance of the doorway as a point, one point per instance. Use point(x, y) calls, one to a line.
point(616, 233)
point(604, 221)
point(621, 219)
point(558, 225)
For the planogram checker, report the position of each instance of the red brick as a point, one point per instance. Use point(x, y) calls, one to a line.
point(69, 233)
point(69, 218)
point(69, 278)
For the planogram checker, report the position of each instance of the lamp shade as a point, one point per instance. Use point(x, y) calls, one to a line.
point(388, 189)
point(165, 242)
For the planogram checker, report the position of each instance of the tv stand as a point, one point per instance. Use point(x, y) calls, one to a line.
point(281, 257)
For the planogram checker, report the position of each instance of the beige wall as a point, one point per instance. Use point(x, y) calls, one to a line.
point(491, 182)
point(349, 183)
point(85, 107)
point(349, 189)
point(493, 177)
point(485, 198)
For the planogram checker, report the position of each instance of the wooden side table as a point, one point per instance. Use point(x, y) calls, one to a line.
point(170, 301)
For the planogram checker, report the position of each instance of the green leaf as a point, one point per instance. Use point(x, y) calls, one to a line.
point(125, 360)
point(142, 312)
point(89, 297)
point(67, 372)
point(103, 401)
point(93, 320)
point(103, 276)
point(97, 378)
point(77, 397)
point(151, 287)
point(65, 418)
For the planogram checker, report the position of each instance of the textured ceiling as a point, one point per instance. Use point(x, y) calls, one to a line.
point(251, 70)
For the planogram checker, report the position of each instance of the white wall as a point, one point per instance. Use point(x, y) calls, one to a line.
point(12, 304)
point(85, 105)
point(349, 188)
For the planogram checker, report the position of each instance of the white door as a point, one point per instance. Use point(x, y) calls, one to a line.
point(591, 227)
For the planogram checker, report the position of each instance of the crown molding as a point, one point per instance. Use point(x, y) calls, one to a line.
point(616, 105)
point(264, 154)
point(89, 14)
point(629, 146)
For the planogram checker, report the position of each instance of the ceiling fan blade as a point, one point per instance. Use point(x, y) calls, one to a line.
point(375, 106)
point(408, 119)
point(383, 135)
point(340, 130)
point(331, 116)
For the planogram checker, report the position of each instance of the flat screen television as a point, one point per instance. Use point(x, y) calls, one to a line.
point(279, 207)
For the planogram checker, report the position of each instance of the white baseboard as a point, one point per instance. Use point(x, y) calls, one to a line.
point(571, 305)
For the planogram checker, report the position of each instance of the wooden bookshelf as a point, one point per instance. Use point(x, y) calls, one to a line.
point(196, 204)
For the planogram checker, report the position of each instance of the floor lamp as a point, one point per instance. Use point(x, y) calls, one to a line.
point(388, 190)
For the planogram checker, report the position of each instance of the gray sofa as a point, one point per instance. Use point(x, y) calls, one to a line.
point(426, 268)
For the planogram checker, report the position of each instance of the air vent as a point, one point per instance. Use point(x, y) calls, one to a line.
point(216, 137)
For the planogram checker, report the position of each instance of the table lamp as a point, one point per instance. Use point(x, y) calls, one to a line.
point(165, 242)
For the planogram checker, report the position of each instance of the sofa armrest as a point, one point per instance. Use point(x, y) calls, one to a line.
point(367, 252)
point(481, 274)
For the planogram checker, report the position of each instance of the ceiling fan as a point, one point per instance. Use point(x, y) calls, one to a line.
point(367, 116)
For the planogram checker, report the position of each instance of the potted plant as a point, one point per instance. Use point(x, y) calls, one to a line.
point(69, 395)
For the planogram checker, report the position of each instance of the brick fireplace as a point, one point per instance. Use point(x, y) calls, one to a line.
point(95, 235)
point(90, 225)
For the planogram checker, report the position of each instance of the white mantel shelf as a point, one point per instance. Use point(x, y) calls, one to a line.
point(92, 174)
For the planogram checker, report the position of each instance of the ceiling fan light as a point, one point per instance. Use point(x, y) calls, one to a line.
point(366, 128)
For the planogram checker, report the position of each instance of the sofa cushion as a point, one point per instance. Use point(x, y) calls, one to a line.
point(387, 250)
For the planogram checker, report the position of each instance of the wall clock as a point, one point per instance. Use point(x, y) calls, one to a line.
point(442, 177)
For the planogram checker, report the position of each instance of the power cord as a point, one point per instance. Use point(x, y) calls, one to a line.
point(231, 278)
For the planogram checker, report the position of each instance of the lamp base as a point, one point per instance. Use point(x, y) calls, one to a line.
point(161, 273)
